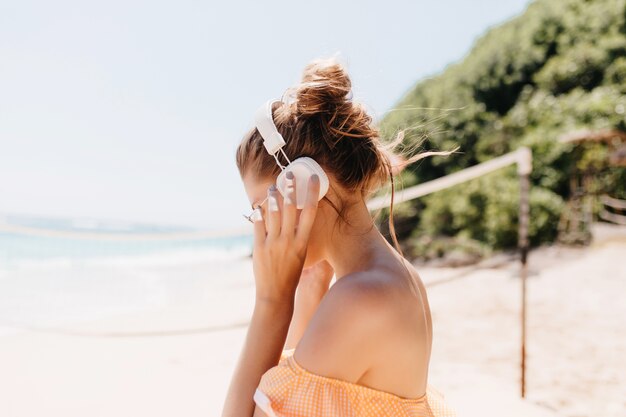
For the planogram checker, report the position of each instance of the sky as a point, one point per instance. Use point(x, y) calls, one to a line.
point(132, 110)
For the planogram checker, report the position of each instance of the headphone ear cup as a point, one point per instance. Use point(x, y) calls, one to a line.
point(303, 168)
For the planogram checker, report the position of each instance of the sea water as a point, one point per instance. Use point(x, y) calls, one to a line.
point(57, 280)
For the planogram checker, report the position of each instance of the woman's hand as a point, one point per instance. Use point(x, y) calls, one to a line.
point(313, 285)
point(315, 280)
point(280, 246)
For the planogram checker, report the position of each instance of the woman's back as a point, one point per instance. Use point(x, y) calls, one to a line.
point(404, 355)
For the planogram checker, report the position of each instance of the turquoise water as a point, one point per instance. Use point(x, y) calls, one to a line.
point(18, 247)
point(50, 282)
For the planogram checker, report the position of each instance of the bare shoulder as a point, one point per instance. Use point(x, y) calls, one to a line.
point(342, 336)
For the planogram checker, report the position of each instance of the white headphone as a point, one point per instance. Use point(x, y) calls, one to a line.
point(302, 167)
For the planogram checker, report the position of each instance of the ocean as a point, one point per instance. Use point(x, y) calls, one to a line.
point(55, 273)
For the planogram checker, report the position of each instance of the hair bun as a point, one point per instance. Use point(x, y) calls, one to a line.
point(325, 86)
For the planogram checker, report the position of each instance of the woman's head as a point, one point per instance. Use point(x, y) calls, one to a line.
point(322, 121)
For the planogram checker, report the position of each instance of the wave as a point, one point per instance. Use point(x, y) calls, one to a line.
point(61, 242)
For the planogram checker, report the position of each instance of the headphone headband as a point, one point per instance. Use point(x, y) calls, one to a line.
point(302, 167)
point(264, 121)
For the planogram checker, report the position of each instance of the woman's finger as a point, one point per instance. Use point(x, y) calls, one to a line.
point(272, 220)
point(259, 228)
point(289, 206)
point(307, 217)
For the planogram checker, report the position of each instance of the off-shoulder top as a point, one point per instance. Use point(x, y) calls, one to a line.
point(289, 390)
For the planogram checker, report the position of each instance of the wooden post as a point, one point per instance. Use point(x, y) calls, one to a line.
point(524, 167)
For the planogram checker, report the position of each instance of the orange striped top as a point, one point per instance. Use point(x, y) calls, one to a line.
point(289, 390)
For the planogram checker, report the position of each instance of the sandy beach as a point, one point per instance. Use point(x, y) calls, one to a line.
point(177, 359)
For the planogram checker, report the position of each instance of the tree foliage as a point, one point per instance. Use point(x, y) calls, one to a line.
point(558, 67)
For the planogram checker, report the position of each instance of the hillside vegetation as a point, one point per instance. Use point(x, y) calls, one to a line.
point(557, 68)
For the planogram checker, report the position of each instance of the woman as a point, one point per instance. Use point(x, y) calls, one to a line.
point(362, 346)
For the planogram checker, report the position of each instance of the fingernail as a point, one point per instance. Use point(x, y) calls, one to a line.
point(315, 178)
point(273, 203)
point(289, 198)
point(289, 175)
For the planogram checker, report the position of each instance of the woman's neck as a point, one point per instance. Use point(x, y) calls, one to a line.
point(359, 246)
